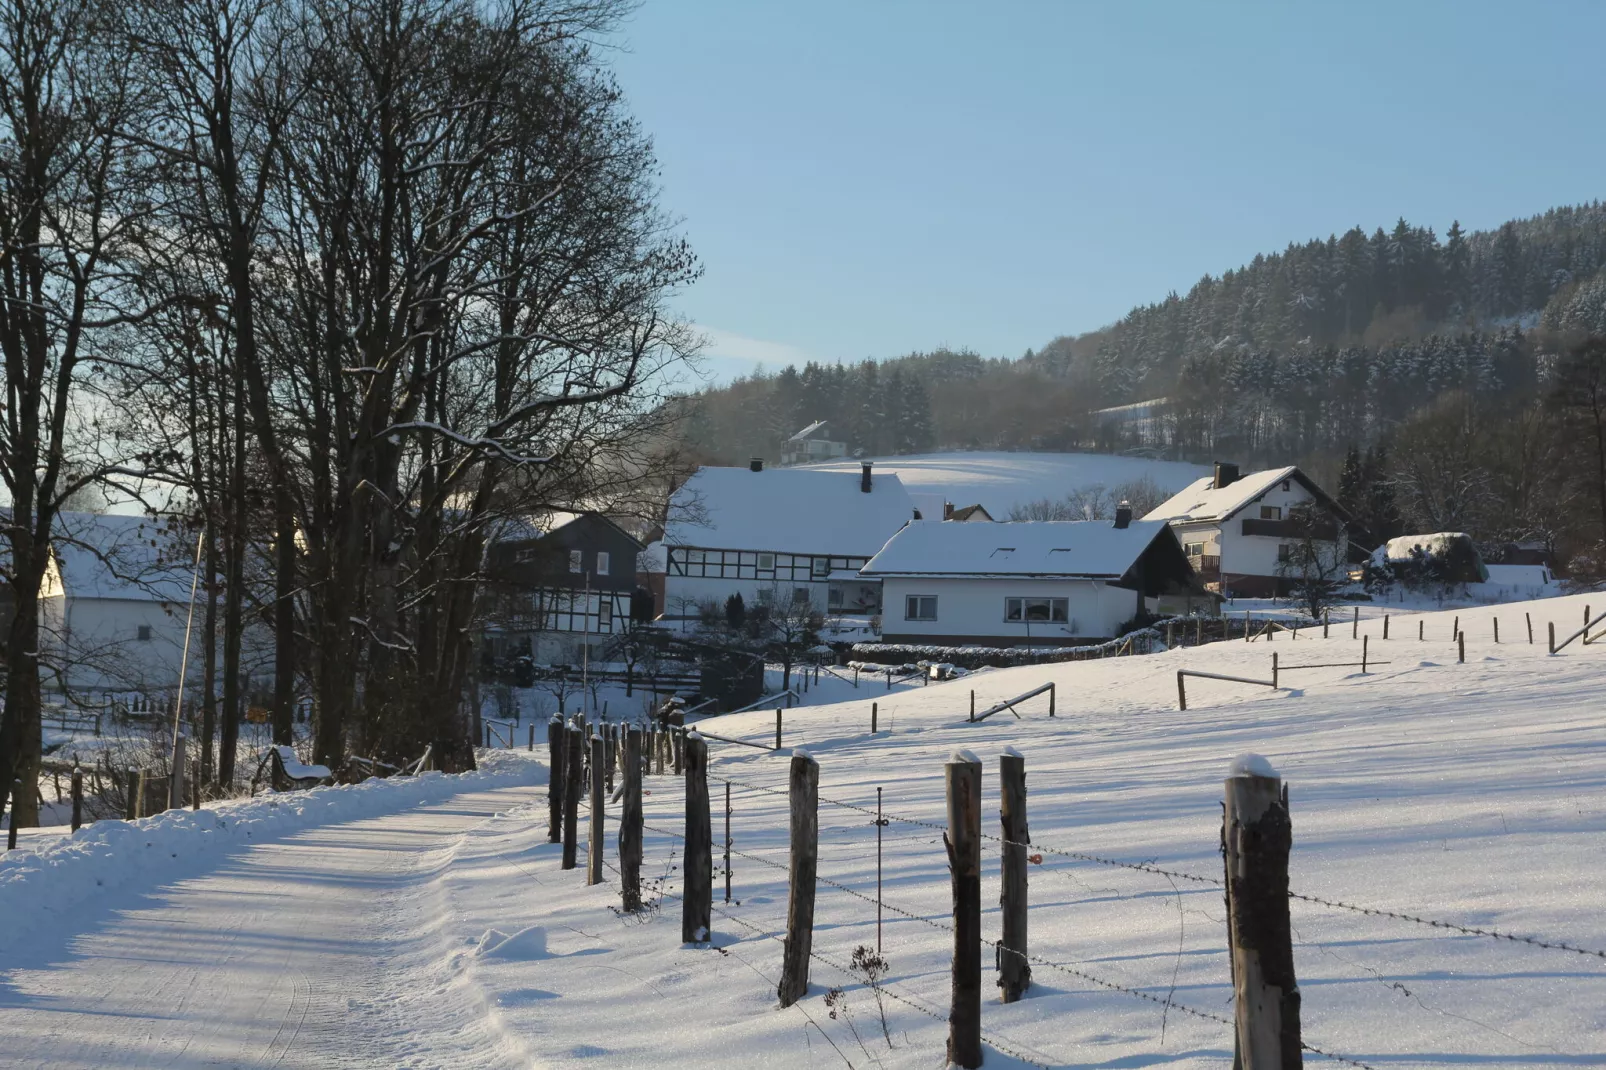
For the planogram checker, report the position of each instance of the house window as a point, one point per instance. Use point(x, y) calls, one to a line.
point(1271, 512)
point(144, 633)
point(524, 555)
point(800, 594)
point(833, 597)
point(605, 613)
point(920, 607)
point(766, 562)
point(1195, 549)
point(602, 562)
point(822, 566)
point(766, 597)
point(1285, 552)
point(1033, 610)
point(576, 560)
point(1288, 484)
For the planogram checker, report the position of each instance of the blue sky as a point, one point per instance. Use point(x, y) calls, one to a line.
point(866, 179)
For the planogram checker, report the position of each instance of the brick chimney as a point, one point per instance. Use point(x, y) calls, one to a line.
point(947, 510)
point(864, 476)
point(756, 464)
point(1226, 475)
point(1123, 515)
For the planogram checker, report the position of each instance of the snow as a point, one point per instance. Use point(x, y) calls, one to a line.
point(787, 510)
point(961, 755)
point(1032, 548)
point(426, 922)
point(799, 752)
point(1249, 764)
point(999, 481)
point(123, 557)
point(1203, 500)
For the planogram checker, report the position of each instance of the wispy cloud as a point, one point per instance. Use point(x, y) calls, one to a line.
point(741, 354)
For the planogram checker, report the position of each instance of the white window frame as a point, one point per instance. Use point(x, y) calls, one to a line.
point(912, 606)
point(1016, 607)
point(605, 612)
point(577, 561)
point(821, 566)
point(1275, 509)
point(602, 562)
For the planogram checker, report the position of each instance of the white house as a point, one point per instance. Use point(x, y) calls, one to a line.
point(1237, 531)
point(811, 444)
point(789, 533)
point(1034, 583)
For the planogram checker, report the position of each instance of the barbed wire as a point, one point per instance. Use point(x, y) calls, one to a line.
point(1216, 882)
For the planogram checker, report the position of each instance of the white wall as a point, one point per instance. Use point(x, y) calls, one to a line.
point(716, 589)
point(975, 607)
point(101, 648)
point(1250, 555)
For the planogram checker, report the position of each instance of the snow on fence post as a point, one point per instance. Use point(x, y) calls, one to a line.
point(554, 779)
point(594, 837)
point(1258, 835)
point(573, 772)
point(803, 790)
point(1014, 973)
point(630, 825)
point(963, 781)
point(697, 910)
point(77, 797)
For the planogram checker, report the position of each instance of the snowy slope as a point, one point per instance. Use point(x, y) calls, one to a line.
point(1001, 480)
point(445, 933)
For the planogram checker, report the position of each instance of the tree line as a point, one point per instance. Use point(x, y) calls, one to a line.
point(342, 284)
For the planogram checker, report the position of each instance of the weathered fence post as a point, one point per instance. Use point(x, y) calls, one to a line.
point(1274, 672)
point(1355, 625)
point(1457, 625)
point(610, 744)
point(727, 841)
point(973, 704)
point(963, 777)
point(1259, 835)
point(698, 908)
point(1014, 972)
point(1365, 643)
point(630, 825)
point(1327, 619)
point(1497, 631)
point(594, 839)
point(531, 748)
point(1247, 628)
point(1421, 632)
point(777, 729)
point(1051, 698)
point(554, 779)
point(1170, 634)
point(140, 800)
point(803, 790)
point(1552, 637)
point(1530, 619)
point(574, 743)
point(1461, 647)
point(660, 743)
point(134, 786)
point(77, 797)
point(873, 712)
point(1182, 692)
point(1385, 626)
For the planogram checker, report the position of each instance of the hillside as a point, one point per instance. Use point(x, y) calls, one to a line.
point(435, 916)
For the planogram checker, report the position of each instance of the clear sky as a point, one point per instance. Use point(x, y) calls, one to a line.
point(863, 179)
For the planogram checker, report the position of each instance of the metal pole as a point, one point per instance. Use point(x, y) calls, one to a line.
point(175, 792)
point(880, 823)
point(727, 841)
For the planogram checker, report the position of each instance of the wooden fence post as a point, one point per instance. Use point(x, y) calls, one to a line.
point(77, 797)
point(1385, 626)
point(554, 779)
point(1365, 643)
point(133, 787)
point(1421, 631)
point(1014, 972)
point(594, 838)
point(1457, 625)
point(803, 790)
point(777, 729)
point(1497, 631)
point(1327, 618)
point(1355, 625)
point(1529, 617)
point(698, 908)
point(963, 782)
point(659, 743)
point(1259, 835)
point(872, 718)
point(1182, 692)
point(972, 704)
point(677, 743)
point(1274, 672)
point(139, 799)
point(610, 744)
point(1461, 647)
point(1552, 637)
point(1247, 628)
point(574, 743)
point(630, 825)
point(532, 738)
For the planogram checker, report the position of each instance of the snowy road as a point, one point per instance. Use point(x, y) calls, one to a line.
point(322, 949)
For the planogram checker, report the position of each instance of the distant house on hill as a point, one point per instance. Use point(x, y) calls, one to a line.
point(794, 534)
point(1240, 532)
point(1032, 583)
point(966, 514)
point(556, 582)
point(811, 444)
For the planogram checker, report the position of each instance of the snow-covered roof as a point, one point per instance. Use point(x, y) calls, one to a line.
point(807, 431)
point(787, 510)
point(1076, 548)
point(1203, 500)
point(129, 558)
point(534, 525)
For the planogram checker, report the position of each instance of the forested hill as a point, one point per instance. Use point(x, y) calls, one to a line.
point(1294, 356)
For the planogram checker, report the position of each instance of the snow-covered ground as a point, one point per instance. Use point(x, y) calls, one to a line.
point(436, 928)
point(1002, 480)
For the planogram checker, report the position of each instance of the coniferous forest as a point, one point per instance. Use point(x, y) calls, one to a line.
point(1459, 367)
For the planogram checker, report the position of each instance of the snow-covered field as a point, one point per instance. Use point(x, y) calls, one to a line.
point(436, 929)
point(1001, 480)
